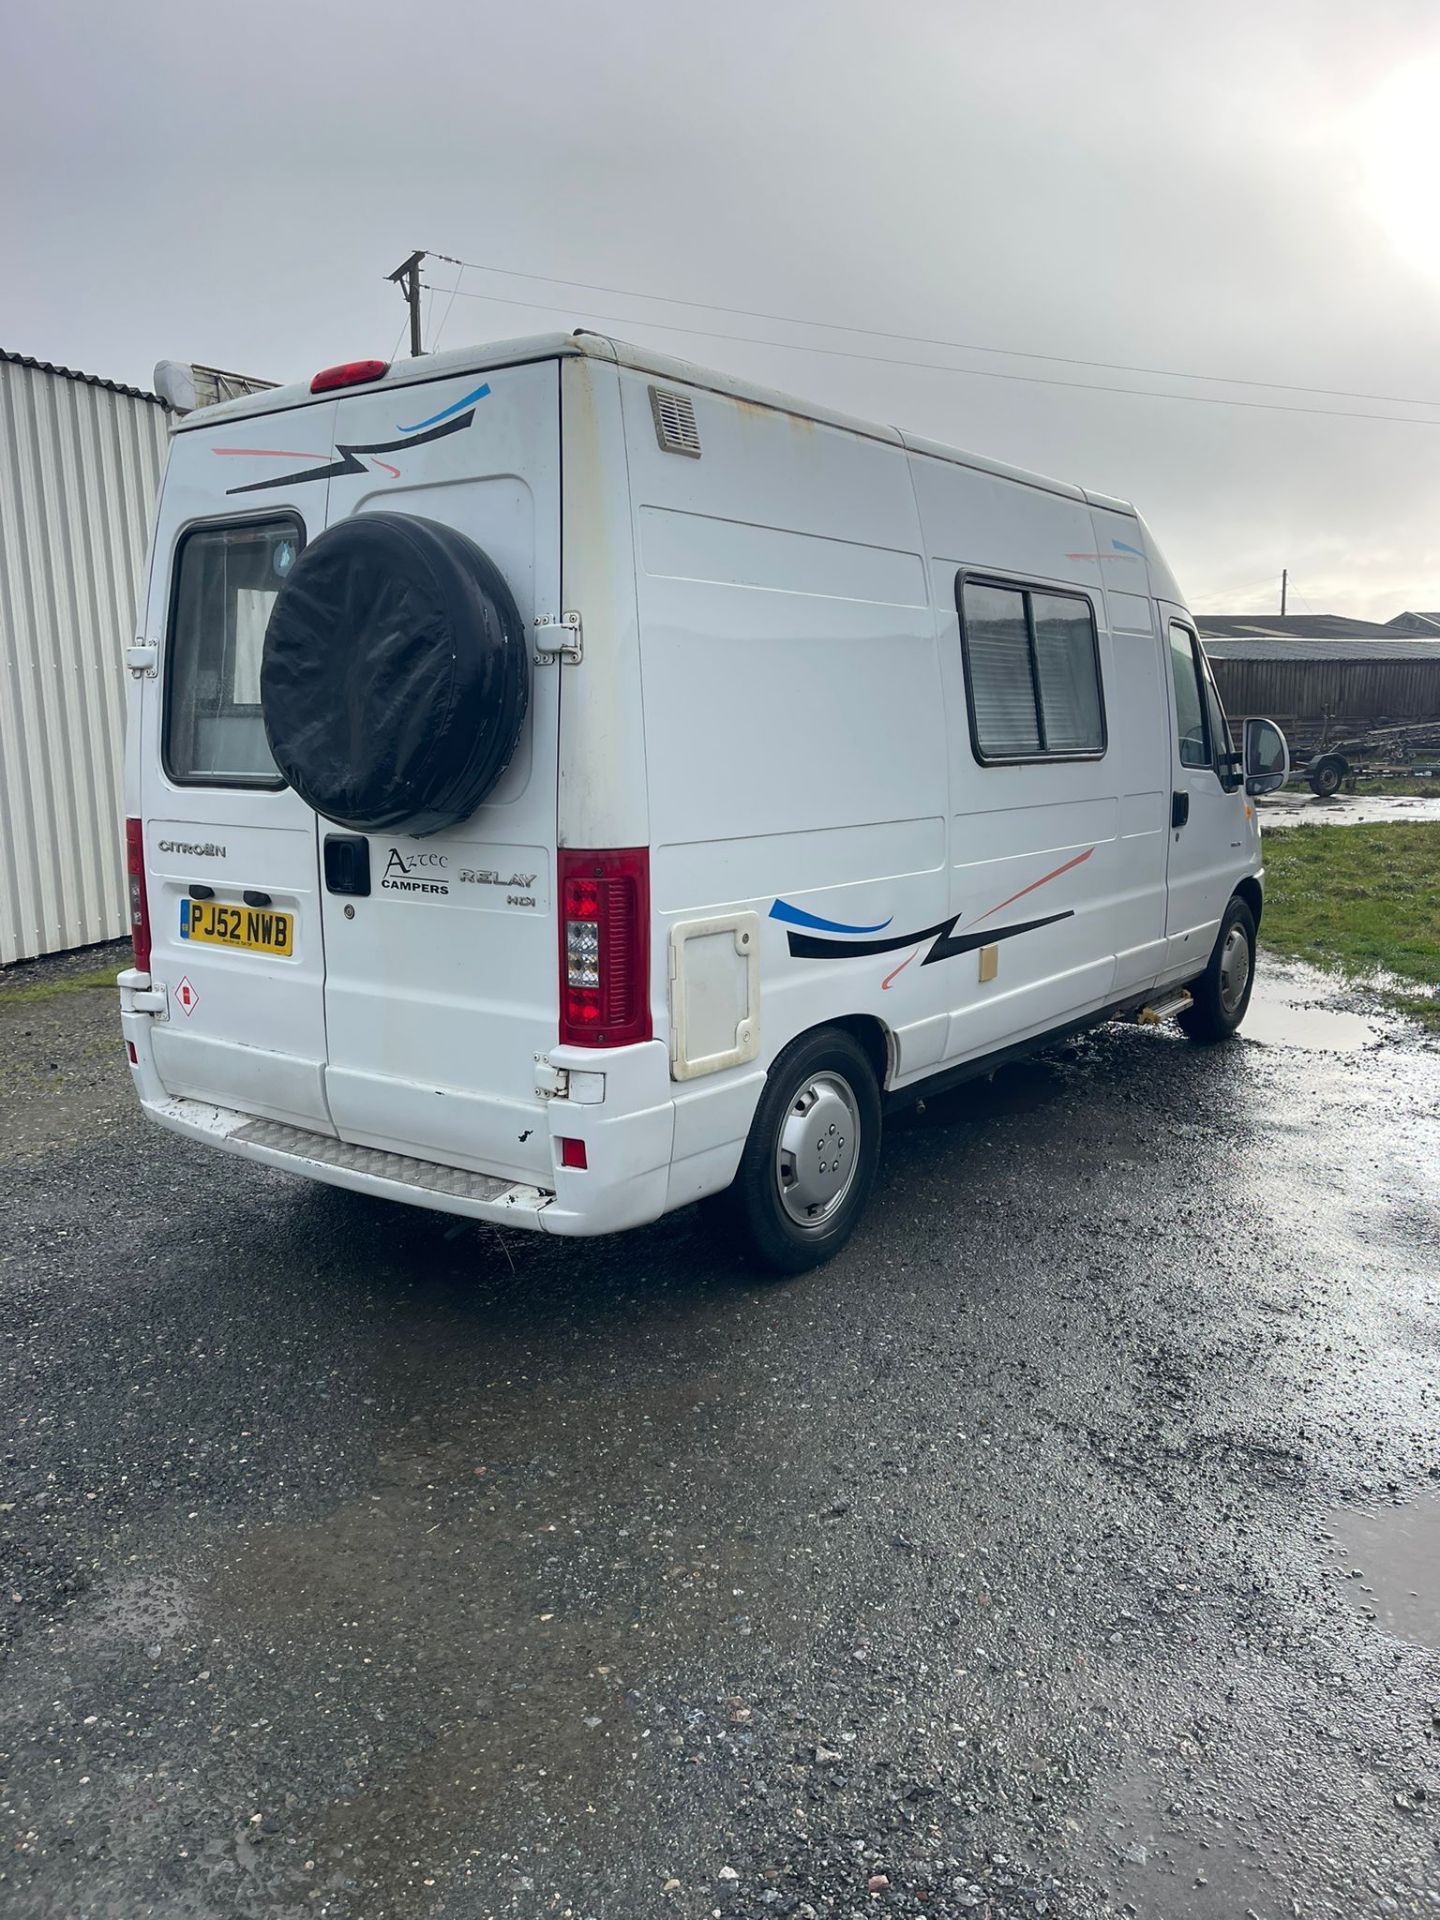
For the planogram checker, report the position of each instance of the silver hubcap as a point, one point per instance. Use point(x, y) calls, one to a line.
point(1234, 969)
point(818, 1149)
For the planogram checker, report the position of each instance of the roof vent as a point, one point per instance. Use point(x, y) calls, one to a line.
point(675, 426)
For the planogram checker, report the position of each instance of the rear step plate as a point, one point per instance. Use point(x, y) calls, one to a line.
point(275, 1137)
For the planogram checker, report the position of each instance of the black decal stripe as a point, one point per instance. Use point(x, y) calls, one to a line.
point(347, 460)
point(946, 947)
point(809, 946)
point(947, 943)
point(457, 425)
point(348, 465)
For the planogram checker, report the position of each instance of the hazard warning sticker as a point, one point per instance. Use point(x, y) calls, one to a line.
point(187, 996)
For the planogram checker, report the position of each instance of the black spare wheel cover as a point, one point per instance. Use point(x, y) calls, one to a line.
point(395, 675)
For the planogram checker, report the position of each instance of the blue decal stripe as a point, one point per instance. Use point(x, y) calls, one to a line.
point(1120, 546)
point(798, 917)
point(478, 394)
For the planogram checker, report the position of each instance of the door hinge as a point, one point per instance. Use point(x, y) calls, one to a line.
point(551, 1083)
point(150, 1000)
point(141, 659)
point(559, 639)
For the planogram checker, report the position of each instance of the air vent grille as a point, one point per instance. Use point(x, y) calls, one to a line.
point(675, 426)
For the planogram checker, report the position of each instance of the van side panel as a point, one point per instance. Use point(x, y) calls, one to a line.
point(794, 732)
point(603, 800)
point(1136, 653)
point(1048, 840)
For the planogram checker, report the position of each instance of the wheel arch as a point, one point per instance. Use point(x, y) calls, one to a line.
point(1253, 894)
point(874, 1037)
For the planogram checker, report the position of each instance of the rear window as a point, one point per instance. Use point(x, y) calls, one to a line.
point(226, 582)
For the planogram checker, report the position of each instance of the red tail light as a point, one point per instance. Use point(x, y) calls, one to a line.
point(604, 947)
point(350, 373)
point(139, 904)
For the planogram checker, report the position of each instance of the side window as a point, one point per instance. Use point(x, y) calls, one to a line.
point(226, 582)
point(1190, 722)
point(1219, 725)
point(1069, 673)
point(997, 666)
point(1032, 672)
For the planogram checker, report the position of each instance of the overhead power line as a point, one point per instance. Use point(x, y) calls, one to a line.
point(1228, 593)
point(435, 337)
point(933, 366)
point(925, 340)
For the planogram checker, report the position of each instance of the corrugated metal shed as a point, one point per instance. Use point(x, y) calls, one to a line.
point(1300, 648)
point(1309, 626)
point(80, 464)
point(1314, 686)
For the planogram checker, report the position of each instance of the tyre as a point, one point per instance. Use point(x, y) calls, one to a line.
point(1325, 775)
point(395, 675)
point(810, 1159)
point(1222, 993)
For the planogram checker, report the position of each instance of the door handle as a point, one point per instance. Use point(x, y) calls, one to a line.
point(347, 864)
point(1179, 809)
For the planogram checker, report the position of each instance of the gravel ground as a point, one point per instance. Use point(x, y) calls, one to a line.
point(1068, 1547)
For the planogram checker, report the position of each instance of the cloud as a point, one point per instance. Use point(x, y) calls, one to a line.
point(1234, 192)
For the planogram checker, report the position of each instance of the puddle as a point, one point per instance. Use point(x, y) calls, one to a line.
point(1347, 810)
point(1278, 1017)
point(1389, 1564)
point(1171, 1857)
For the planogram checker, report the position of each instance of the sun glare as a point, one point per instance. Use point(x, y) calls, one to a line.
point(1399, 152)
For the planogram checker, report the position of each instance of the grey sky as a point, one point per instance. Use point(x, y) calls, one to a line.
point(1236, 189)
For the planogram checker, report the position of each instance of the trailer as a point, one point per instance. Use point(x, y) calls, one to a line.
point(1327, 761)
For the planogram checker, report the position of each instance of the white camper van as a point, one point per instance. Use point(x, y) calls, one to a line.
point(565, 784)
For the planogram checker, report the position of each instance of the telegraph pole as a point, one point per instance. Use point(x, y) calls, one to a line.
point(1284, 571)
point(407, 277)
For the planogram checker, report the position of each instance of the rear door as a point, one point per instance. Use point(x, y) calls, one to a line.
point(230, 850)
point(1207, 817)
point(441, 981)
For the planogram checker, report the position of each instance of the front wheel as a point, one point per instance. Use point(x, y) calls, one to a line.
point(810, 1159)
point(1222, 993)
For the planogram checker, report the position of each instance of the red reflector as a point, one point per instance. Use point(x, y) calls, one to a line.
point(572, 1152)
point(605, 947)
point(350, 373)
point(135, 884)
point(134, 1056)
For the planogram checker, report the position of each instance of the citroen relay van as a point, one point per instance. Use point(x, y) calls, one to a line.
point(565, 784)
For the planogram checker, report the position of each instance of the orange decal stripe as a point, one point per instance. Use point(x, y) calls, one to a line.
point(1055, 875)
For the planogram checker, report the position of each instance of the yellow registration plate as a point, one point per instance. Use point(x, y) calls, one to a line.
point(256, 929)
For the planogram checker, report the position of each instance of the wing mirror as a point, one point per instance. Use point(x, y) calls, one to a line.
point(1267, 757)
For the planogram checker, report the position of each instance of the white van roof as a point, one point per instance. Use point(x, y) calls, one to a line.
point(599, 346)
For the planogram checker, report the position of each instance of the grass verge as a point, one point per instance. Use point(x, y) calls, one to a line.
point(1406, 784)
point(1361, 899)
point(51, 989)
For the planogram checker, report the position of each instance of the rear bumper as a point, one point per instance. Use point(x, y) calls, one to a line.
point(316, 1156)
point(628, 1136)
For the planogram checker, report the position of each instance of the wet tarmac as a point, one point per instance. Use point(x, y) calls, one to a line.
point(1067, 1548)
